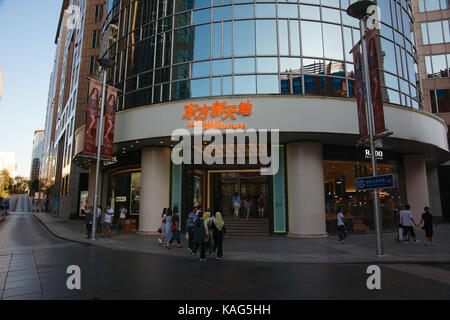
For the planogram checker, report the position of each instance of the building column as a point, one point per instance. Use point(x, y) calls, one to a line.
point(416, 184)
point(435, 193)
point(306, 195)
point(155, 188)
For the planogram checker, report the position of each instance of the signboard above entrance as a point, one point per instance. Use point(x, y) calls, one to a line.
point(376, 182)
point(217, 112)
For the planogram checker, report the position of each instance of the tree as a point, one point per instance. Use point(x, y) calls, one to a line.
point(6, 183)
point(21, 185)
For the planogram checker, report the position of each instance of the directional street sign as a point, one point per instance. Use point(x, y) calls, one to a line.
point(378, 182)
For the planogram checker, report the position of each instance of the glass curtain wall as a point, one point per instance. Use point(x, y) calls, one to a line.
point(169, 50)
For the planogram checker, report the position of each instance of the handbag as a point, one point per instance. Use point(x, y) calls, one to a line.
point(174, 228)
point(164, 220)
point(186, 236)
point(159, 230)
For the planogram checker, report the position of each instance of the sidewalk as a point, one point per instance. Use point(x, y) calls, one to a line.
point(359, 249)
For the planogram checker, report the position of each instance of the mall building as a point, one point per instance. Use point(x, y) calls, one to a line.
point(262, 65)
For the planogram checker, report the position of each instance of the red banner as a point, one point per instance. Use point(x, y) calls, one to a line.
point(91, 117)
point(110, 117)
point(373, 49)
point(359, 92)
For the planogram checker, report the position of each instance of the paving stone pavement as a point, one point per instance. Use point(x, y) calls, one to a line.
point(360, 247)
point(33, 265)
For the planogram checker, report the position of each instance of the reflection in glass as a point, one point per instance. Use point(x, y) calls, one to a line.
point(311, 39)
point(244, 85)
point(331, 15)
point(266, 37)
point(291, 65)
point(393, 96)
point(227, 83)
point(309, 12)
point(389, 63)
point(221, 67)
point(244, 38)
point(227, 39)
point(217, 40)
point(202, 16)
point(202, 42)
point(265, 11)
point(216, 89)
point(287, 11)
point(200, 88)
point(200, 69)
point(332, 41)
point(283, 37)
point(222, 13)
point(295, 38)
point(391, 81)
point(267, 65)
point(243, 11)
point(245, 65)
point(267, 84)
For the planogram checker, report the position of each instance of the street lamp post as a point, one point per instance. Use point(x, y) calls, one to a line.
point(358, 10)
point(105, 64)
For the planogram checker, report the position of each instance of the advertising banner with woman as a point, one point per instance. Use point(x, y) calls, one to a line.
point(110, 115)
point(359, 92)
point(375, 83)
point(91, 117)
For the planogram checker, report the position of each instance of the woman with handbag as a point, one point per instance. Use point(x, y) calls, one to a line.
point(162, 229)
point(175, 229)
point(168, 228)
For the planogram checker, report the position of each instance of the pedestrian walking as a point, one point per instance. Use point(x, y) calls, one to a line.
point(247, 207)
point(99, 219)
point(5, 206)
point(236, 204)
point(107, 220)
point(200, 235)
point(261, 205)
point(168, 228)
point(191, 226)
point(427, 219)
point(175, 229)
point(342, 229)
point(208, 220)
point(88, 220)
point(407, 222)
point(122, 216)
point(219, 233)
point(162, 229)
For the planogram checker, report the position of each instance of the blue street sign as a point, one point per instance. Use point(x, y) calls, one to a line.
point(378, 182)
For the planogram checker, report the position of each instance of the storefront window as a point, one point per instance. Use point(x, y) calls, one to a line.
point(339, 177)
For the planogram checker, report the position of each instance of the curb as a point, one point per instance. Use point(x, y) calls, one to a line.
point(58, 236)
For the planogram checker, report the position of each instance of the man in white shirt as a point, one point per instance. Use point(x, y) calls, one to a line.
point(407, 221)
point(107, 220)
point(342, 231)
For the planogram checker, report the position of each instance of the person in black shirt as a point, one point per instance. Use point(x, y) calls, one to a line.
point(427, 219)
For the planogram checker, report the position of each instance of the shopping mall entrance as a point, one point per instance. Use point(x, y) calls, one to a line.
point(215, 189)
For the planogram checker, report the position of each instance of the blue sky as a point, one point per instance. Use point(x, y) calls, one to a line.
point(27, 50)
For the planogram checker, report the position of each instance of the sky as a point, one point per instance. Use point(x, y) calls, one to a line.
point(27, 51)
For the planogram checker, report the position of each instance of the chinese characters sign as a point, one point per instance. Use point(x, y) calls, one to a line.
point(218, 112)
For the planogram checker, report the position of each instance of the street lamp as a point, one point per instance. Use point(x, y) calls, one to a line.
point(359, 10)
point(105, 64)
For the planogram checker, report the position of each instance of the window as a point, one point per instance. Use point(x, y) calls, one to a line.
point(437, 66)
point(435, 32)
point(432, 5)
point(440, 100)
point(98, 14)
point(95, 39)
point(92, 65)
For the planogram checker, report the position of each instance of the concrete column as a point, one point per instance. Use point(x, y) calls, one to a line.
point(155, 188)
point(416, 184)
point(434, 192)
point(306, 195)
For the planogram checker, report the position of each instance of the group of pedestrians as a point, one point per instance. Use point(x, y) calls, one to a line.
point(406, 225)
point(249, 205)
point(108, 218)
point(205, 232)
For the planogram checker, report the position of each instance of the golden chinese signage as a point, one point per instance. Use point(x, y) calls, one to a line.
point(211, 117)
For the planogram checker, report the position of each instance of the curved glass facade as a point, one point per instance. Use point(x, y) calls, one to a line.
point(169, 50)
